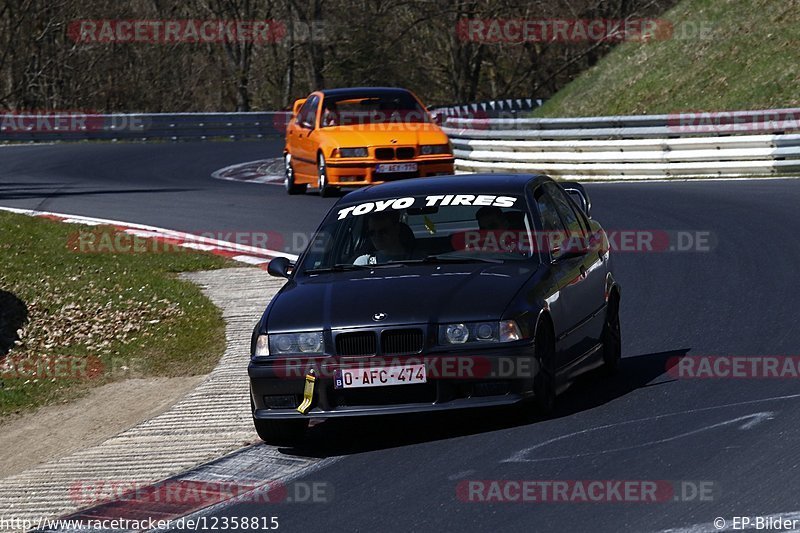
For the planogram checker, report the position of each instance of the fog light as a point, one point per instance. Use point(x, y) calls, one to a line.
point(284, 401)
point(491, 388)
point(349, 179)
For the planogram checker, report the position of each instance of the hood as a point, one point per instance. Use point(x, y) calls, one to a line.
point(407, 295)
point(383, 134)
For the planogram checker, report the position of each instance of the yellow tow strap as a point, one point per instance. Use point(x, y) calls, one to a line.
point(308, 393)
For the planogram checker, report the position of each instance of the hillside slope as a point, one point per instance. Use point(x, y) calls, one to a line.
point(723, 55)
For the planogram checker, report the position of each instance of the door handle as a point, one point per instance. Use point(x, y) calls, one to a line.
point(583, 272)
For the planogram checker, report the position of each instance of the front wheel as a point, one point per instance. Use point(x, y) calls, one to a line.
point(325, 190)
point(544, 384)
point(289, 179)
point(612, 336)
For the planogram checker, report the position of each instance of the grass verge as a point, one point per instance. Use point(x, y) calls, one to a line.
point(72, 320)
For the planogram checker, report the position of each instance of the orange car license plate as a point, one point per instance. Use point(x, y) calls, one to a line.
point(386, 168)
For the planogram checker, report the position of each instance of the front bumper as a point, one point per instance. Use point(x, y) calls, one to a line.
point(354, 174)
point(505, 377)
point(397, 409)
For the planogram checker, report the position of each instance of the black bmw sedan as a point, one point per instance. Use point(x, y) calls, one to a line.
point(433, 294)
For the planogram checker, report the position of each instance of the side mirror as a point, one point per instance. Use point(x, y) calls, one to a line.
point(558, 255)
point(279, 267)
point(596, 241)
point(570, 246)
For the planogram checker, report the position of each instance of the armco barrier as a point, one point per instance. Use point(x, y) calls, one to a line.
point(618, 147)
point(632, 147)
point(76, 126)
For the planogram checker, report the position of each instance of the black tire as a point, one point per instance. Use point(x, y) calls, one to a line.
point(288, 181)
point(612, 336)
point(325, 190)
point(281, 432)
point(544, 384)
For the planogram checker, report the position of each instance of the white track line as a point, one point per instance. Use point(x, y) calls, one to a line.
point(253, 170)
point(144, 230)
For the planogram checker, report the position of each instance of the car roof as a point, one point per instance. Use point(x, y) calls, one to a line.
point(364, 91)
point(458, 184)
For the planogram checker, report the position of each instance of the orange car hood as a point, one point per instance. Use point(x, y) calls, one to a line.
point(383, 134)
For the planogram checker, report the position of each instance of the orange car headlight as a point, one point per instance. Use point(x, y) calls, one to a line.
point(434, 149)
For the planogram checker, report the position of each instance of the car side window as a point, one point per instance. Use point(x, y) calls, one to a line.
point(579, 212)
point(576, 231)
point(306, 116)
point(551, 223)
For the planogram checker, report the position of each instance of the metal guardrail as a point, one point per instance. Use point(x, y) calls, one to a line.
point(616, 147)
point(76, 126)
point(632, 147)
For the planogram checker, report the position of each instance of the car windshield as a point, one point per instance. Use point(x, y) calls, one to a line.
point(399, 231)
point(399, 107)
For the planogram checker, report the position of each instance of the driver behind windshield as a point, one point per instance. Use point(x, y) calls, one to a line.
point(391, 240)
point(491, 218)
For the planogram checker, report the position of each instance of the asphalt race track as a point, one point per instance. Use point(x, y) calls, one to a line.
point(401, 474)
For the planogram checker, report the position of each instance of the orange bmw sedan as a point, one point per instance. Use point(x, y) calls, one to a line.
point(361, 136)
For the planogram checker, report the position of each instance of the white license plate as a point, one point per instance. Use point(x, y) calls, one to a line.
point(386, 168)
point(379, 376)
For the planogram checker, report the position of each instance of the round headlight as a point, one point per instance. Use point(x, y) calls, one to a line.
point(284, 342)
point(457, 333)
point(484, 332)
point(310, 342)
point(426, 149)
